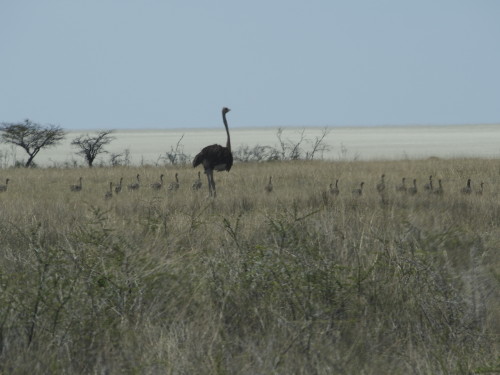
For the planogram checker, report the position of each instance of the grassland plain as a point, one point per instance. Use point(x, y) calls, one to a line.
point(296, 281)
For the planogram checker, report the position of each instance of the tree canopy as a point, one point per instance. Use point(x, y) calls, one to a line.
point(91, 146)
point(30, 136)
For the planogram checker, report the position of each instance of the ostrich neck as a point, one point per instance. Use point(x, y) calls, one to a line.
point(228, 144)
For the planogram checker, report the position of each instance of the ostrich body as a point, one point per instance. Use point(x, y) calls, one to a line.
point(467, 189)
point(480, 191)
point(334, 190)
point(4, 187)
point(77, 187)
point(173, 186)
point(215, 157)
point(413, 190)
point(135, 185)
point(118, 188)
point(197, 183)
point(269, 186)
point(158, 185)
point(109, 193)
point(381, 184)
point(428, 186)
point(439, 190)
point(402, 187)
point(358, 192)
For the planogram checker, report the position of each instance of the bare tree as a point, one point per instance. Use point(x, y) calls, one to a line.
point(258, 153)
point(318, 145)
point(32, 137)
point(283, 146)
point(91, 146)
point(117, 159)
point(175, 156)
point(290, 150)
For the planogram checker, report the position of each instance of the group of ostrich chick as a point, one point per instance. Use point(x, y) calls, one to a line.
point(219, 158)
point(117, 188)
point(410, 190)
point(213, 158)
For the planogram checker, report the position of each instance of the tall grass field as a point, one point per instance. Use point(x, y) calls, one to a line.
point(292, 281)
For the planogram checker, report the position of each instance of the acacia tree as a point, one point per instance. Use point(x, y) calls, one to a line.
point(32, 137)
point(91, 146)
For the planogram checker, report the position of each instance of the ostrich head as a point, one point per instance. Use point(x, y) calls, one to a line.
point(225, 110)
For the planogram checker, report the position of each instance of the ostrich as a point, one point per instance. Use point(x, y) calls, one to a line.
point(158, 185)
point(4, 187)
point(197, 183)
point(478, 192)
point(413, 190)
point(77, 187)
point(109, 193)
point(118, 188)
point(439, 190)
point(215, 157)
point(402, 187)
point(135, 185)
point(467, 189)
point(334, 190)
point(173, 186)
point(381, 184)
point(358, 191)
point(428, 186)
point(269, 186)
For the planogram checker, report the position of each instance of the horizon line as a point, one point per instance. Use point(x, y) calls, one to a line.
point(261, 127)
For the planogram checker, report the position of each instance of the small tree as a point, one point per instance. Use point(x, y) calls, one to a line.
point(91, 146)
point(32, 137)
point(117, 159)
point(319, 145)
point(175, 156)
point(257, 153)
point(290, 150)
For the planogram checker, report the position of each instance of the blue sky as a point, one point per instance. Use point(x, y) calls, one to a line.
point(119, 64)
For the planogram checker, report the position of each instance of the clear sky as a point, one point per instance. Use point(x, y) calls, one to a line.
point(118, 64)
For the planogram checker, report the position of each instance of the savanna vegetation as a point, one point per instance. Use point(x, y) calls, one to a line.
point(295, 281)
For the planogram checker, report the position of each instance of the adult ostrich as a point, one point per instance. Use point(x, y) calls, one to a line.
point(215, 157)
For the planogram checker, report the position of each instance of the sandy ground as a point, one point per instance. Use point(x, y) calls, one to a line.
point(362, 143)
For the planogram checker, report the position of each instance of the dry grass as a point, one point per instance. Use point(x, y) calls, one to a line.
point(293, 281)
